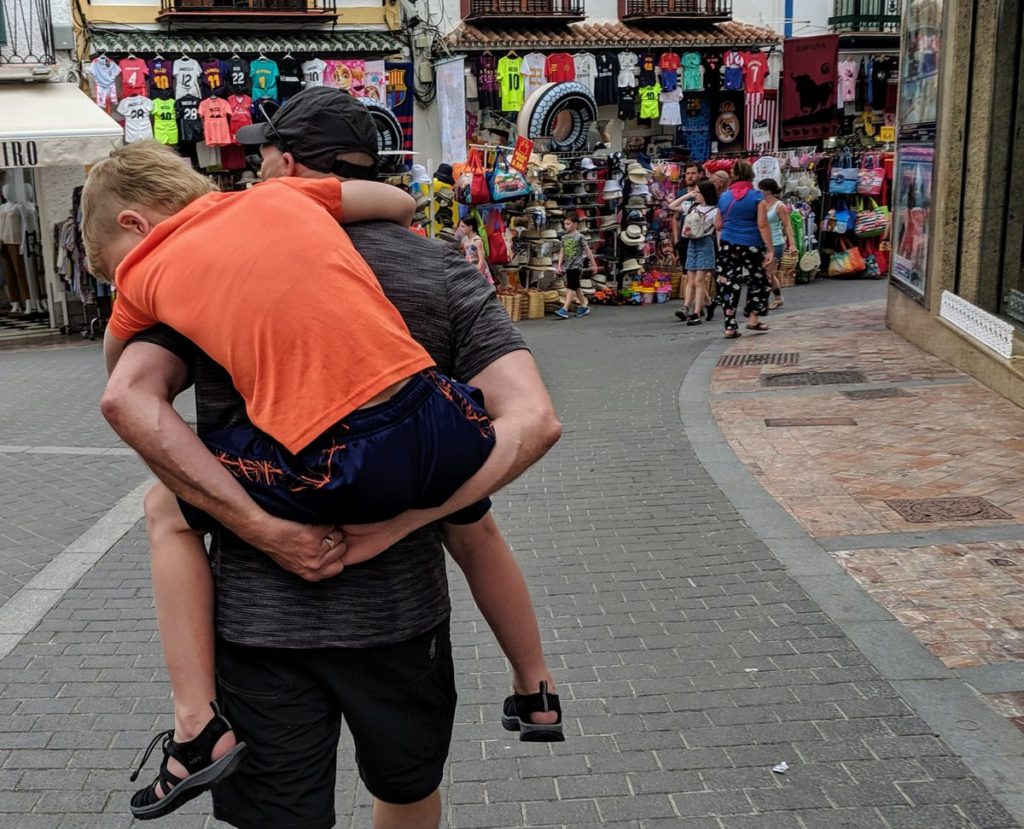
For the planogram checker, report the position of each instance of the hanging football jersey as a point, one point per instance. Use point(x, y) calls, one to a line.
point(649, 95)
point(186, 77)
point(165, 121)
point(713, 71)
point(607, 78)
point(239, 114)
point(627, 103)
point(313, 72)
point(533, 69)
point(136, 110)
point(289, 81)
point(755, 69)
point(647, 65)
point(264, 73)
point(133, 77)
point(560, 68)
point(628, 64)
point(669, 64)
point(215, 112)
point(237, 72)
point(190, 125)
point(586, 69)
point(693, 73)
point(487, 82)
point(160, 81)
point(510, 82)
point(671, 115)
point(213, 79)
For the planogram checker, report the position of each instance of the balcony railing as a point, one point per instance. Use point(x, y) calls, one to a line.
point(865, 17)
point(565, 11)
point(711, 11)
point(26, 34)
point(241, 9)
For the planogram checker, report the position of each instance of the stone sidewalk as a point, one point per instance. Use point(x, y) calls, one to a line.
point(691, 658)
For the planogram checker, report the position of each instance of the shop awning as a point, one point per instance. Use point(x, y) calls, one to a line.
point(318, 43)
point(53, 125)
point(611, 35)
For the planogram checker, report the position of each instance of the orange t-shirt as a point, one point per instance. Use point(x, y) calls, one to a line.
point(267, 283)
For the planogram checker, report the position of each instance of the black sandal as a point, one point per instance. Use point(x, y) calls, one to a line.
point(516, 716)
point(203, 773)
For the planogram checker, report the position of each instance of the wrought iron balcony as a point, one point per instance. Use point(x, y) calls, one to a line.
point(26, 38)
point(878, 17)
point(711, 11)
point(238, 10)
point(563, 11)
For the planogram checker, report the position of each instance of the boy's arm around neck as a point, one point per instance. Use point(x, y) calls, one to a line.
point(363, 201)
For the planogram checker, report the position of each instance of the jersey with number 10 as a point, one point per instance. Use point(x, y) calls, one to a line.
point(510, 82)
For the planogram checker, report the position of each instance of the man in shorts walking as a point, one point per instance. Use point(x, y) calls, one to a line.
point(299, 646)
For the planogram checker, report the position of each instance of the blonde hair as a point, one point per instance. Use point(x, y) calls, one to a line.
point(144, 174)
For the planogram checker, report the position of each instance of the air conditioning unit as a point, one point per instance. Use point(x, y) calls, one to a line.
point(24, 73)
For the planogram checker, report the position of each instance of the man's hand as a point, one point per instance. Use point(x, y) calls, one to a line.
point(313, 552)
point(364, 541)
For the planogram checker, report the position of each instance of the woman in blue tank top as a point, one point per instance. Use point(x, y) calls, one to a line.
point(744, 251)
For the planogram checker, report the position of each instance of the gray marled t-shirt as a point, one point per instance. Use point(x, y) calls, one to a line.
point(403, 592)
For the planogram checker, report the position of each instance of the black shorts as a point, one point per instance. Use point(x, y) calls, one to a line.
point(398, 701)
point(572, 278)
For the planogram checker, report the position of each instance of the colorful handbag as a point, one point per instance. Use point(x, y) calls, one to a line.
point(471, 188)
point(840, 219)
point(871, 176)
point(846, 261)
point(505, 183)
point(872, 222)
point(497, 247)
point(843, 177)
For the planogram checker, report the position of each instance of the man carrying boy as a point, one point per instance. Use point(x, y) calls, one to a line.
point(291, 646)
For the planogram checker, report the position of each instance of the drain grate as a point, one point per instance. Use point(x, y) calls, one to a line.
point(874, 394)
point(787, 358)
point(931, 510)
point(809, 421)
point(812, 378)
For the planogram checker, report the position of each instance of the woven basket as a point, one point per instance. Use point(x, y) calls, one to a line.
point(535, 305)
point(786, 271)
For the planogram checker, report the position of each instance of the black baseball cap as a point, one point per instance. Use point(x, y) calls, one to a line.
point(315, 126)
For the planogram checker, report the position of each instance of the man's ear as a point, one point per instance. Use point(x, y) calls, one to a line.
point(290, 164)
point(134, 222)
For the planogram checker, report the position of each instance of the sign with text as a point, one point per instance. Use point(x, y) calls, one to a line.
point(521, 154)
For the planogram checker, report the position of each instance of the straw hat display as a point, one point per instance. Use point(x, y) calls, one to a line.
point(640, 190)
point(612, 189)
point(540, 263)
point(632, 236)
point(630, 265)
point(549, 234)
point(635, 203)
point(637, 174)
point(607, 222)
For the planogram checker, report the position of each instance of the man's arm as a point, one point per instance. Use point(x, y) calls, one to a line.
point(525, 427)
point(113, 347)
point(362, 201)
point(137, 404)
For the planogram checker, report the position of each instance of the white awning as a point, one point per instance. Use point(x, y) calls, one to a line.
point(53, 125)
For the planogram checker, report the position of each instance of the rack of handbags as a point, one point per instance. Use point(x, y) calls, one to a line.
point(855, 222)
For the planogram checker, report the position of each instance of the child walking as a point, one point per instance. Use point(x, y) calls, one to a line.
point(332, 440)
point(473, 247)
point(782, 235)
point(699, 231)
point(574, 251)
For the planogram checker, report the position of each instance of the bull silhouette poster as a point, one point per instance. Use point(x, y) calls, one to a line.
point(809, 88)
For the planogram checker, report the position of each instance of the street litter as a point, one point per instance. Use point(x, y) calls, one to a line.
point(781, 768)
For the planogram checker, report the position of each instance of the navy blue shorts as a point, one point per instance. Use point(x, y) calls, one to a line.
point(410, 452)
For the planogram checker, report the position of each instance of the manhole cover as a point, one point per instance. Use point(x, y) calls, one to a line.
point(930, 510)
point(813, 378)
point(788, 358)
point(874, 394)
point(809, 421)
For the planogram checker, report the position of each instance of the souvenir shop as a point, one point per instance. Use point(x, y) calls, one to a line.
point(49, 134)
point(195, 93)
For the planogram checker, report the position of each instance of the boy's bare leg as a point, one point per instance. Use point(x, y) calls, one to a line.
point(183, 594)
point(423, 814)
point(500, 592)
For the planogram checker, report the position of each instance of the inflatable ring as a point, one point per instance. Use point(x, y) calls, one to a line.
point(390, 137)
point(561, 113)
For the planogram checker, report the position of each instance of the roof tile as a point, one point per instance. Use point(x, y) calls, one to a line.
point(611, 35)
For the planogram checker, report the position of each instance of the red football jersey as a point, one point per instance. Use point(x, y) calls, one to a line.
point(133, 77)
point(669, 61)
point(755, 68)
point(560, 68)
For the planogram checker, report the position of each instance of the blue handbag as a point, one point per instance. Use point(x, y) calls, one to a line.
point(843, 177)
point(505, 183)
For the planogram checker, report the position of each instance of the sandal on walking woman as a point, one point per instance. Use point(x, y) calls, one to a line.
point(195, 755)
point(519, 707)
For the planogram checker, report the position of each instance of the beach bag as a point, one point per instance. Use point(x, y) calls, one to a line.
point(872, 222)
point(840, 219)
point(505, 183)
point(843, 178)
point(846, 261)
point(471, 188)
point(497, 247)
point(871, 175)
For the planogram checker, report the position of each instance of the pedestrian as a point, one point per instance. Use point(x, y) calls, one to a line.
point(699, 231)
point(744, 251)
point(782, 234)
point(692, 174)
point(473, 247)
point(304, 645)
point(571, 256)
point(721, 180)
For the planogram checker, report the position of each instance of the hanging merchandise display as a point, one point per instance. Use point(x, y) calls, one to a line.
point(809, 93)
point(728, 122)
point(510, 82)
point(560, 113)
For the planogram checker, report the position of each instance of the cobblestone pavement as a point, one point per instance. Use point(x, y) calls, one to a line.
point(689, 660)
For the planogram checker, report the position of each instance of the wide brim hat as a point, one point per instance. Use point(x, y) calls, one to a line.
point(640, 190)
point(608, 221)
point(550, 233)
point(633, 235)
point(540, 263)
point(531, 234)
point(638, 175)
point(635, 203)
point(551, 162)
point(630, 265)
